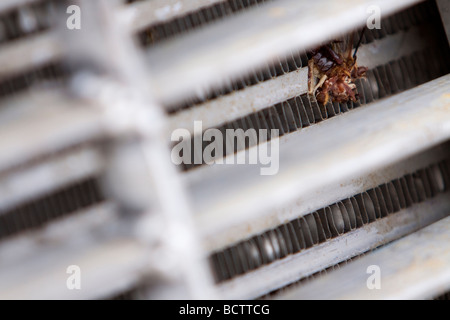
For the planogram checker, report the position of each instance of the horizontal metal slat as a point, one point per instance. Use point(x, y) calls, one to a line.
point(23, 54)
point(231, 47)
point(414, 267)
point(66, 123)
point(330, 193)
point(6, 5)
point(308, 262)
point(33, 265)
point(265, 94)
point(52, 174)
point(356, 143)
point(143, 14)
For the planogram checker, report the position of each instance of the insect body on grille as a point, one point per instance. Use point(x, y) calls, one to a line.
point(332, 72)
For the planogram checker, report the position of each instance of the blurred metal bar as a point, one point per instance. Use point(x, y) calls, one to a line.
point(31, 269)
point(310, 261)
point(33, 103)
point(415, 267)
point(56, 172)
point(6, 5)
point(144, 14)
point(209, 57)
point(356, 143)
point(28, 53)
point(136, 124)
point(49, 132)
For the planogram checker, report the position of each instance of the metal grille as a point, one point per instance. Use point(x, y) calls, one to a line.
point(332, 221)
point(195, 20)
point(86, 118)
point(50, 207)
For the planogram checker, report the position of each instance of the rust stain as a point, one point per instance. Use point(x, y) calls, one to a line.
point(277, 12)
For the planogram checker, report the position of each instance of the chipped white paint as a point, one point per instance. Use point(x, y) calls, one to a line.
point(169, 10)
point(143, 14)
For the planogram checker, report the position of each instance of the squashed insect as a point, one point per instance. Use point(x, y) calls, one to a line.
point(332, 74)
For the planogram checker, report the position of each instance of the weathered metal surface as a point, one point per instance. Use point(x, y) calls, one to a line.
point(240, 103)
point(33, 265)
point(308, 202)
point(48, 131)
point(165, 226)
point(18, 56)
point(207, 58)
point(6, 5)
point(49, 175)
point(353, 144)
point(414, 267)
point(140, 15)
point(265, 94)
point(295, 267)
